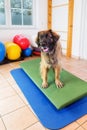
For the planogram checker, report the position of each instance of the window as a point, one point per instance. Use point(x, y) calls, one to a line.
point(21, 12)
point(18, 12)
point(2, 13)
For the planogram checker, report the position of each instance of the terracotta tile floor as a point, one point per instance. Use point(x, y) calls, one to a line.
point(16, 114)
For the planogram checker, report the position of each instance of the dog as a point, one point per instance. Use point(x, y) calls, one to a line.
point(51, 52)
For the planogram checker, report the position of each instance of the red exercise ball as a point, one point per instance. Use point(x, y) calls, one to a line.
point(22, 41)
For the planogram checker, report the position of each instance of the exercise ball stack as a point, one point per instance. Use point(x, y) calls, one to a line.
point(13, 51)
point(2, 52)
point(24, 44)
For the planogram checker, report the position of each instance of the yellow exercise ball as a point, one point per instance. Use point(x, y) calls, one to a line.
point(13, 51)
point(7, 44)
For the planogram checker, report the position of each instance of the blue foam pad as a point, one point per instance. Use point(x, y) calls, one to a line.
point(49, 116)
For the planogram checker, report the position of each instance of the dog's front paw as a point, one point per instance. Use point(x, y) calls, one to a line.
point(59, 84)
point(44, 85)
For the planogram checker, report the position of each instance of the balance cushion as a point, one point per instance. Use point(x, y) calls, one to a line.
point(73, 90)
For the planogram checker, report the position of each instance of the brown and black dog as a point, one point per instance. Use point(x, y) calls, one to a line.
point(48, 42)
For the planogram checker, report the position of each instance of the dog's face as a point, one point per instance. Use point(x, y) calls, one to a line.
point(47, 40)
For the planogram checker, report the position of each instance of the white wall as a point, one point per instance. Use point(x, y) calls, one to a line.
point(7, 34)
point(79, 43)
point(60, 21)
point(76, 28)
point(83, 32)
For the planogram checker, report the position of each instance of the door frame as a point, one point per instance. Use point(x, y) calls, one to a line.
point(70, 27)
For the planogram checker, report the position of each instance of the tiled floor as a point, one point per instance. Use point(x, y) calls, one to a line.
point(16, 114)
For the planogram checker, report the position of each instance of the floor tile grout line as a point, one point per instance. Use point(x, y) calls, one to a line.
point(13, 111)
point(31, 125)
point(79, 127)
point(22, 100)
point(27, 105)
point(16, 91)
point(81, 123)
point(4, 123)
point(19, 94)
point(7, 97)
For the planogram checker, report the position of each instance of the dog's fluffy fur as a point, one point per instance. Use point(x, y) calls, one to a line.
point(48, 42)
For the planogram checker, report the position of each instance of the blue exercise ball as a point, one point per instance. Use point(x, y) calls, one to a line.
point(27, 52)
point(2, 51)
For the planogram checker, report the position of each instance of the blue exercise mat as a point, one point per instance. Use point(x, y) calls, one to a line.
point(48, 115)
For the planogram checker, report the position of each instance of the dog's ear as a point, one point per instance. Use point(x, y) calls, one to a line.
point(50, 33)
point(50, 30)
point(55, 36)
point(37, 39)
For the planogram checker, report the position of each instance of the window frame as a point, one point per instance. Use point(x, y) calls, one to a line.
point(4, 14)
point(9, 20)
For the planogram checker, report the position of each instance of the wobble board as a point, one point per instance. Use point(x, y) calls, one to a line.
point(73, 90)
